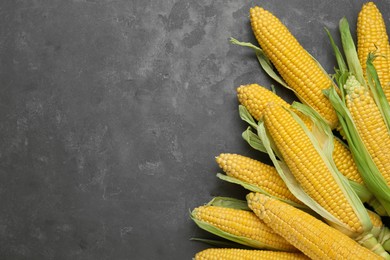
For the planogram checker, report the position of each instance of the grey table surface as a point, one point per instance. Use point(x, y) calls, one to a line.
point(112, 112)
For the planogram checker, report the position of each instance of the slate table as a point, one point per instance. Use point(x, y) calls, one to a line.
point(112, 112)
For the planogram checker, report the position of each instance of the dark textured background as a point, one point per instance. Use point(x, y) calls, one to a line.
point(112, 112)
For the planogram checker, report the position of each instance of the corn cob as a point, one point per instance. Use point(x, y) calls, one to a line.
point(370, 125)
point(344, 162)
point(242, 223)
point(376, 221)
point(245, 254)
point(255, 98)
point(372, 37)
point(306, 232)
point(254, 172)
point(307, 166)
point(298, 68)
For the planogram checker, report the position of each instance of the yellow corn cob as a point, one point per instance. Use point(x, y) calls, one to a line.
point(255, 98)
point(376, 221)
point(310, 235)
point(257, 173)
point(245, 254)
point(307, 166)
point(242, 223)
point(343, 159)
point(372, 37)
point(370, 125)
point(300, 71)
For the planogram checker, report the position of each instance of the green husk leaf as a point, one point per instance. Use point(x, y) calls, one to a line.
point(384, 238)
point(219, 243)
point(339, 57)
point(255, 188)
point(253, 140)
point(228, 202)
point(246, 116)
point(238, 239)
point(273, 89)
point(377, 91)
point(263, 60)
point(367, 168)
point(342, 71)
point(377, 206)
point(350, 51)
point(265, 63)
point(363, 193)
point(244, 184)
point(249, 45)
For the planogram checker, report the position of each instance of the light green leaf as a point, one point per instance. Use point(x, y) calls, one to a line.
point(263, 60)
point(245, 44)
point(377, 91)
point(339, 57)
point(350, 51)
point(269, 69)
point(363, 193)
point(253, 140)
point(257, 49)
point(227, 202)
point(244, 184)
point(246, 116)
point(342, 71)
point(219, 243)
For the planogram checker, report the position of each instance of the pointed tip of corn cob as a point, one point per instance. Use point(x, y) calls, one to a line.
point(257, 11)
point(369, 5)
point(354, 89)
point(255, 173)
point(257, 201)
point(351, 84)
point(255, 98)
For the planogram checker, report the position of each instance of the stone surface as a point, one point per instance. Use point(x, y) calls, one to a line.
point(112, 113)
